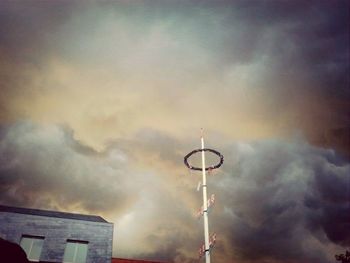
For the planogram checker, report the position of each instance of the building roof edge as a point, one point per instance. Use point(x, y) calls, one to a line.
point(48, 213)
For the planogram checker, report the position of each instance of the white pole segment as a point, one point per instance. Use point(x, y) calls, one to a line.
point(205, 206)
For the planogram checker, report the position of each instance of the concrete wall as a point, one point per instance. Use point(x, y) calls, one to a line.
point(56, 232)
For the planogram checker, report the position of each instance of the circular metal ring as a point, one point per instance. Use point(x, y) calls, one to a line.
point(206, 168)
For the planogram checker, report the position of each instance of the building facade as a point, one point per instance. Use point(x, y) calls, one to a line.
point(51, 236)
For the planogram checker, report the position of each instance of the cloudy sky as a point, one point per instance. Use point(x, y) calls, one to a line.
point(101, 100)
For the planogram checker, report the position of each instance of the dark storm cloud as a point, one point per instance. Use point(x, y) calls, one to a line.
point(307, 38)
point(293, 54)
point(328, 203)
point(284, 201)
point(275, 200)
point(28, 28)
point(176, 65)
point(301, 53)
point(298, 38)
point(45, 166)
point(28, 37)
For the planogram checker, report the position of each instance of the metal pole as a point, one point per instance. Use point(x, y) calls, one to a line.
point(205, 205)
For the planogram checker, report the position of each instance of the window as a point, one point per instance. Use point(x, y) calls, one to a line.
point(32, 245)
point(75, 251)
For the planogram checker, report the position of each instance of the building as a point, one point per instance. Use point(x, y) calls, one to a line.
point(51, 236)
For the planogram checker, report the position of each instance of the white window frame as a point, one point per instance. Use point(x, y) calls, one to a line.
point(32, 240)
point(76, 243)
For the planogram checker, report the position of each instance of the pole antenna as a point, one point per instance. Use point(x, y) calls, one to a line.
point(208, 241)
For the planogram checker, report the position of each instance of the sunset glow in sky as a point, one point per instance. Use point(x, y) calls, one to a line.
point(101, 100)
